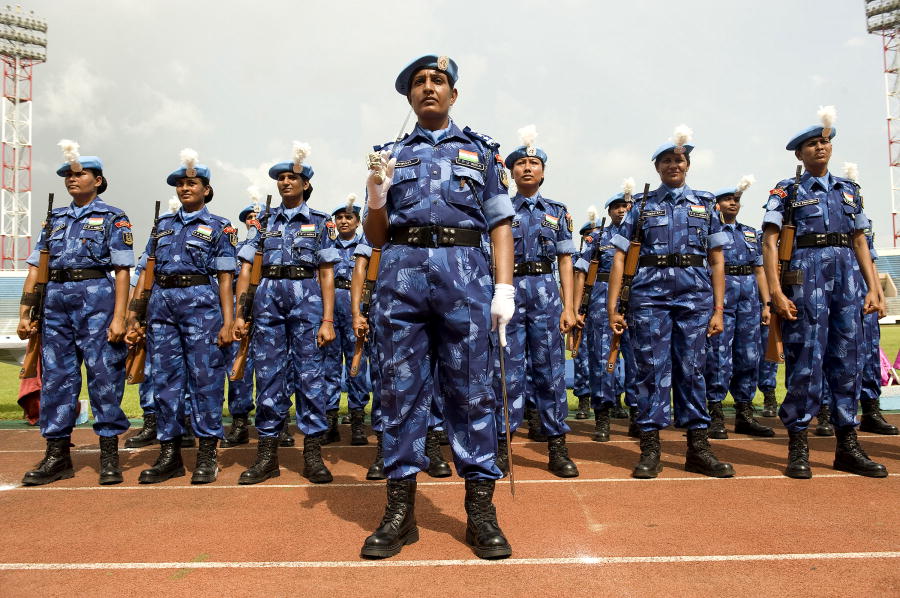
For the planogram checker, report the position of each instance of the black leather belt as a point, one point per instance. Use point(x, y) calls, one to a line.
point(602, 276)
point(738, 270)
point(533, 268)
point(824, 240)
point(672, 260)
point(341, 283)
point(76, 275)
point(181, 281)
point(435, 236)
point(290, 272)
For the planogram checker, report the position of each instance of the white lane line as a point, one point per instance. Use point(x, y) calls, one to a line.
point(613, 560)
point(198, 487)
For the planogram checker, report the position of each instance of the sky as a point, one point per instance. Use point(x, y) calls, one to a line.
point(605, 83)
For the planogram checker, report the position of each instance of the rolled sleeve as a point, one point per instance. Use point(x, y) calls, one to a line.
point(620, 242)
point(121, 252)
point(224, 251)
point(565, 247)
point(861, 221)
point(34, 258)
point(224, 263)
point(758, 261)
point(121, 258)
point(581, 264)
point(247, 252)
point(773, 217)
point(497, 209)
point(363, 250)
point(328, 255)
point(717, 239)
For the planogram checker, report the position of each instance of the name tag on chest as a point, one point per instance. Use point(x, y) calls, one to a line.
point(805, 202)
point(652, 213)
point(307, 230)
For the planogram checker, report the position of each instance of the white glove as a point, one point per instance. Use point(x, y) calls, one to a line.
point(378, 191)
point(503, 306)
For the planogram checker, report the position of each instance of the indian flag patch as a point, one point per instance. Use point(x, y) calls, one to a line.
point(849, 199)
point(204, 232)
point(468, 156)
point(551, 222)
point(750, 235)
point(94, 223)
point(698, 210)
point(307, 230)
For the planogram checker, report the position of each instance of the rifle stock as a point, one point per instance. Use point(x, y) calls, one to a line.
point(136, 358)
point(585, 300)
point(364, 304)
point(33, 349)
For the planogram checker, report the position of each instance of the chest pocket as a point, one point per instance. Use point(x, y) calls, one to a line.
point(198, 251)
point(850, 214)
point(165, 248)
point(93, 244)
point(698, 227)
point(547, 240)
point(656, 230)
point(56, 243)
point(404, 186)
point(272, 249)
point(304, 250)
point(467, 186)
point(808, 216)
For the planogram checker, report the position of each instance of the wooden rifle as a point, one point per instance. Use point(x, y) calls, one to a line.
point(36, 300)
point(775, 346)
point(589, 282)
point(240, 360)
point(137, 353)
point(365, 304)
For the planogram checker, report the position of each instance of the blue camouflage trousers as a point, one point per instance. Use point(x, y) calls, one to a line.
point(145, 391)
point(76, 318)
point(240, 392)
point(871, 374)
point(668, 318)
point(766, 376)
point(432, 310)
point(375, 380)
point(606, 386)
point(732, 357)
point(287, 360)
point(581, 384)
point(338, 356)
point(535, 356)
point(824, 342)
point(187, 365)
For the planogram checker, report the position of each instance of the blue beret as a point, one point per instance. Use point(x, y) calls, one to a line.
point(805, 134)
point(86, 162)
point(288, 166)
point(253, 208)
point(201, 171)
point(429, 61)
point(618, 197)
point(670, 147)
point(587, 227)
point(343, 208)
point(522, 151)
point(720, 193)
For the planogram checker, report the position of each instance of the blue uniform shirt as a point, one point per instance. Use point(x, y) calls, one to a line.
point(836, 208)
point(203, 245)
point(94, 236)
point(601, 240)
point(347, 252)
point(363, 248)
point(744, 245)
point(541, 229)
point(429, 185)
point(303, 240)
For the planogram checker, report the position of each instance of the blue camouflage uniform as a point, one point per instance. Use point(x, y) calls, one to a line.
point(364, 249)
point(767, 371)
point(542, 231)
point(824, 340)
point(432, 304)
point(732, 357)
point(287, 314)
point(670, 307)
point(240, 392)
point(183, 323)
point(343, 346)
point(77, 315)
point(581, 382)
point(145, 388)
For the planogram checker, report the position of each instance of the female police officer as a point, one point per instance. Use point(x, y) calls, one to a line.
point(676, 301)
point(442, 198)
point(84, 318)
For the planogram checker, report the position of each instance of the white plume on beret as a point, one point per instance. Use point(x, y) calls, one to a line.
point(628, 186)
point(683, 134)
point(254, 193)
point(827, 114)
point(592, 214)
point(851, 171)
point(301, 152)
point(528, 134)
point(189, 157)
point(70, 153)
point(351, 199)
point(174, 204)
point(745, 182)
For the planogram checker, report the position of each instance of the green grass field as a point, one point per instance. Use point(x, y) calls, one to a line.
point(9, 383)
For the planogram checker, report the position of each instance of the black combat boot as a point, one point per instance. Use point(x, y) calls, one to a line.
point(534, 426)
point(286, 438)
point(502, 459)
point(314, 468)
point(601, 424)
point(437, 467)
point(798, 456)
point(584, 405)
point(483, 533)
point(770, 403)
point(700, 458)
point(266, 465)
point(745, 423)
point(109, 461)
point(633, 430)
point(187, 438)
point(333, 434)
point(850, 457)
point(873, 421)
point(168, 464)
point(56, 464)
point(824, 427)
point(398, 526)
point(648, 466)
point(146, 436)
point(717, 420)
point(443, 437)
point(357, 430)
point(207, 468)
point(376, 471)
point(560, 465)
point(617, 411)
point(239, 433)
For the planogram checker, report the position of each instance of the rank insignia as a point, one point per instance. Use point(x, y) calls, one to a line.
point(232, 235)
point(203, 232)
point(332, 230)
point(504, 178)
point(127, 238)
point(550, 221)
point(569, 222)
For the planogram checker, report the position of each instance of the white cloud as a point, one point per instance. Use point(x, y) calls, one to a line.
point(169, 113)
point(817, 80)
point(855, 42)
point(74, 103)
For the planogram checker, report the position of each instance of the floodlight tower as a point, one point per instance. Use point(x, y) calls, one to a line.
point(23, 44)
point(883, 18)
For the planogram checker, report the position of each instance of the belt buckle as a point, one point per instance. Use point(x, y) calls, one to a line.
point(662, 261)
point(821, 239)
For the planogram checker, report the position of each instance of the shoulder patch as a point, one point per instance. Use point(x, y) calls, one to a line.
point(123, 223)
point(779, 192)
point(229, 230)
point(569, 221)
point(127, 238)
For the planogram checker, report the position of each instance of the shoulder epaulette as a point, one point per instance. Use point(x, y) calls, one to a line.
point(492, 145)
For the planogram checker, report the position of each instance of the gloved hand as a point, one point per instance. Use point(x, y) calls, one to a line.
point(378, 191)
point(503, 305)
